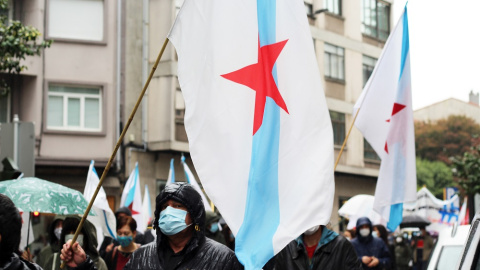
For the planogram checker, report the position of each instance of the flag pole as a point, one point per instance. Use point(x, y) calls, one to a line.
point(345, 141)
point(120, 139)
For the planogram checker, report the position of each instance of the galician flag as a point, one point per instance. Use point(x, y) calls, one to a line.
point(105, 218)
point(386, 121)
point(256, 118)
point(132, 198)
point(191, 180)
point(171, 173)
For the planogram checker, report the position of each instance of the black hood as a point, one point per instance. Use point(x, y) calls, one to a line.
point(89, 234)
point(185, 194)
point(364, 221)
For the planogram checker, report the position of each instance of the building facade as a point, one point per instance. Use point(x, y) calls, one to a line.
point(451, 106)
point(70, 92)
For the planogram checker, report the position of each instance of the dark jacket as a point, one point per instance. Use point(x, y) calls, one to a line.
point(333, 252)
point(17, 263)
point(200, 252)
point(210, 218)
point(371, 246)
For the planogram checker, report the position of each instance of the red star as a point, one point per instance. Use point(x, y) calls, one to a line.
point(260, 79)
point(133, 211)
point(397, 107)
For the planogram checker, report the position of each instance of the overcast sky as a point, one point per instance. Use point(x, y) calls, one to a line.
point(444, 48)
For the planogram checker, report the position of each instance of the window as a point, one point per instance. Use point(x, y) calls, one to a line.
point(368, 66)
point(376, 19)
point(308, 9)
point(76, 19)
point(179, 106)
point(333, 6)
point(74, 108)
point(369, 152)
point(338, 125)
point(334, 62)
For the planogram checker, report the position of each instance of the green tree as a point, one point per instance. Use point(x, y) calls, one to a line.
point(446, 138)
point(467, 173)
point(435, 175)
point(16, 42)
point(467, 170)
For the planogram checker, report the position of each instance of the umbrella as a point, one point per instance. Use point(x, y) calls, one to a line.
point(34, 194)
point(360, 206)
point(414, 221)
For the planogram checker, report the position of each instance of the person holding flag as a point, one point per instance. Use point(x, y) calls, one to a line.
point(181, 243)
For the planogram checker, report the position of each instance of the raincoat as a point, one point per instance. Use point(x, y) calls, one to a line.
point(54, 245)
point(371, 246)
point(200, 253)
point(17, 263)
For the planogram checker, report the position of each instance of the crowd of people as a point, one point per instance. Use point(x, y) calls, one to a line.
point(186, 236)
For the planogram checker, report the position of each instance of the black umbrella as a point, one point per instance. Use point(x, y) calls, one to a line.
point(414, 221)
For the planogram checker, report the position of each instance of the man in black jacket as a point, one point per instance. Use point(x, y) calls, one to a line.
point(181, 242)
point(318, 248)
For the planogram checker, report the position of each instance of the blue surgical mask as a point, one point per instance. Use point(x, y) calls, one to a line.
point(124, 241)
point(374, 234)
point(172, 221)
point(214, 227)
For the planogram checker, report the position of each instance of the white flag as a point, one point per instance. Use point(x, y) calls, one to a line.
point(258, 126)
point(386, 121)
point(132, 198)
point(105, 218)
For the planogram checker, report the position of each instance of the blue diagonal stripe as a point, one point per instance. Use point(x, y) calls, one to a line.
point(253, 243)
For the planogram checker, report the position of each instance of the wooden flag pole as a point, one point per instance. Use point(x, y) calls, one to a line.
point(345, 141)
point(120, 139)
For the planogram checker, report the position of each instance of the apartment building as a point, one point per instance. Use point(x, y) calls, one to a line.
point(70, 92)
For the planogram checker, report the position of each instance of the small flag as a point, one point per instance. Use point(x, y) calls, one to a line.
point(105, 218)
point(171, 173)
point(464, 215)
point(132, 198)
point(147, 206)
point(385, 118)
point(27, 231)
point(191, 180)
point(259, 130)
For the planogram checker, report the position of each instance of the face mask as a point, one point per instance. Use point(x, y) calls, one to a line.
point(399, 240)
point(124, 241)
point(58, 232)
point(364, 232)
point(79, 238)
point(348, 238)
point(312, 230)
point(172, 221)
point(374, 234)
point(214, 228)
